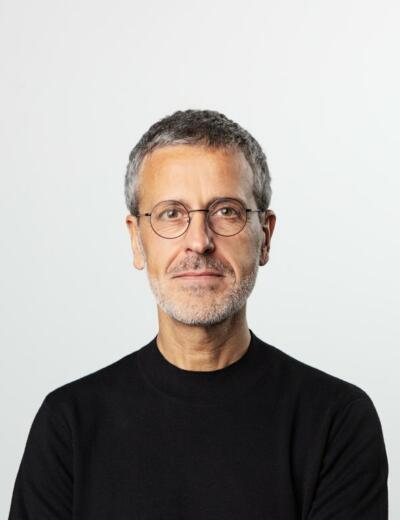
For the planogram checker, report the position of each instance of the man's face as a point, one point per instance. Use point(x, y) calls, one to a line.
point(195, 175)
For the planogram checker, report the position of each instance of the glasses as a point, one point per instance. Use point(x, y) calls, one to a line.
point(225, 216)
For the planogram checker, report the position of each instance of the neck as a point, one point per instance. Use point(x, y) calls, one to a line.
point(203, 348)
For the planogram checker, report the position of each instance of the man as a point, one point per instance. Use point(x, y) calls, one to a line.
point(206, 421)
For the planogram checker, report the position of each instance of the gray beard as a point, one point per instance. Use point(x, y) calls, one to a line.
point(196, 312)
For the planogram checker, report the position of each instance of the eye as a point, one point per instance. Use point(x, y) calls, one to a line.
point(170, 214)
point(228, 211)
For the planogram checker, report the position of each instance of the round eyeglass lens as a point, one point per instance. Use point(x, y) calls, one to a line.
point(227, 217)
point(169, 219)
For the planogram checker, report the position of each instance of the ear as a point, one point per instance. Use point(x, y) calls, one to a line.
point(134, 232)
point(268, 226)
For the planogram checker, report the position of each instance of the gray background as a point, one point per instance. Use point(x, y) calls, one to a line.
point(316, 82)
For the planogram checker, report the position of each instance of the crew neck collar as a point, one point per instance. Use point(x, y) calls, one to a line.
point(194, 387)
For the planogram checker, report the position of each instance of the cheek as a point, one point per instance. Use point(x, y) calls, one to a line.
point(254, 242)
point(252, 249)
point(160, 256)
point(242, 256)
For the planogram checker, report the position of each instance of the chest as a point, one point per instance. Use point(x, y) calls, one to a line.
point(174, 463)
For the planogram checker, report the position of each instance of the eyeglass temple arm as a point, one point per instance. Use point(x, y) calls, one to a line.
point(248, 210)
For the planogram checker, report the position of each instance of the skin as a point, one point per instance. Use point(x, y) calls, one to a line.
point(202, 321)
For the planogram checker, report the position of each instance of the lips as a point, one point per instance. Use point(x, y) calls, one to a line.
point(199, 273)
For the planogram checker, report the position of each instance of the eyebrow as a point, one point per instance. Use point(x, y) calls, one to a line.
point(186, 203)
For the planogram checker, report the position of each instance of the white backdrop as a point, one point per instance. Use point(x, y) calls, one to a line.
point(316, 82)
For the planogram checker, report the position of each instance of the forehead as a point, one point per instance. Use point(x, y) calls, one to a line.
point(194, 174)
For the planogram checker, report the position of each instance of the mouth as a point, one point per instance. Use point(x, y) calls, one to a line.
point(198, 275)
point(205, 280)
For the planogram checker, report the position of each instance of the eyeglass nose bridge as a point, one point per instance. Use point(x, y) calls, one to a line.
point(189, 211)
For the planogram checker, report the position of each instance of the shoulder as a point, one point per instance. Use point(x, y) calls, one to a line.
point(320, 405)
point(303, 382)
point(99, 388)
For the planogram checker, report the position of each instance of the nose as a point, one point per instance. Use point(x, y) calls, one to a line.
point(198, 236)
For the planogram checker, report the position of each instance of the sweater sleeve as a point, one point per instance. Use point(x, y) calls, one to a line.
point(43, 485)
point(352, 483)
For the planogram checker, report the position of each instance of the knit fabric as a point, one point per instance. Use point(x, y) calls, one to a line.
point(265, 438)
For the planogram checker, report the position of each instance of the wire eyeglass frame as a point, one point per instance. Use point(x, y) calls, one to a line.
point(207, 210)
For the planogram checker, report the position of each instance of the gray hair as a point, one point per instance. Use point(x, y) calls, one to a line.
point(203, 127)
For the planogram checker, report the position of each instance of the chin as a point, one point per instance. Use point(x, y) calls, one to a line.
point(203, 314)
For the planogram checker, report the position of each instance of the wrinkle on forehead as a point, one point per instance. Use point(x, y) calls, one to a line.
point(174, 172)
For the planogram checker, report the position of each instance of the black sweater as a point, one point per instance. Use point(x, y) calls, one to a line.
point(265, 438)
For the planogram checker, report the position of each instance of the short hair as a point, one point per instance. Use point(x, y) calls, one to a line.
point(203, 127)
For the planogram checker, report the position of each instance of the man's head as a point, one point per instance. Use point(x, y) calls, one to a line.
point(195, 156)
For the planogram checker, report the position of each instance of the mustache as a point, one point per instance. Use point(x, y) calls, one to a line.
point(199, 264)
